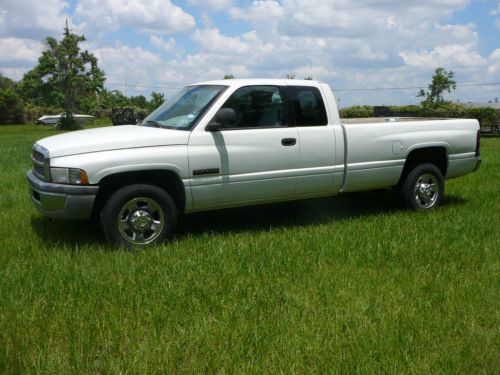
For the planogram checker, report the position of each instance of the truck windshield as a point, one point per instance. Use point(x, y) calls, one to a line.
point(185, 108)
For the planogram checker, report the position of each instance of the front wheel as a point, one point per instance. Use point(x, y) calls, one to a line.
point(423, 188)
point(138, 215)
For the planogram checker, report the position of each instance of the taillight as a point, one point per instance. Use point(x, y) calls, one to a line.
point(478, 143)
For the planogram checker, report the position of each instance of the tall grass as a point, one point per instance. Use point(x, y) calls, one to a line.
point(348, 284)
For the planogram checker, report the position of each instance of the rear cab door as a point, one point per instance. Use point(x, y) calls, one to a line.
point(318, 173)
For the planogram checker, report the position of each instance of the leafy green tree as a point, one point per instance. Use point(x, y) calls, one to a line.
point(157, 99)
point(138, 101)
point(308, 78)
point(290, 76)
point(109, 99)
point(6, 83)
point(35, 91)
point(64, 76)
point(11, 104)
point(228, 76)
point(442, 81)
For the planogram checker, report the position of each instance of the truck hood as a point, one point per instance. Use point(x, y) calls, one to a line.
point(111, 138)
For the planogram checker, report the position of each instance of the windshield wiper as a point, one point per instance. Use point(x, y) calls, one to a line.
point(152, 124)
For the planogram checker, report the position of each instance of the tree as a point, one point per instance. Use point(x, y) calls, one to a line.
point(138, 101)
point(290, 76)
point(6, 83)
point(157, 99)
point(228, 76)
point(11, 104)
point(442, 81)
point(11, 107)
point(64, 76)
point(308, 78)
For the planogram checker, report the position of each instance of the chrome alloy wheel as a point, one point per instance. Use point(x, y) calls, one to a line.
point(141, 220)
point(426, 191)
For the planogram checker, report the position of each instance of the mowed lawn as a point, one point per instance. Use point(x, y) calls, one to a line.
point(343, 285)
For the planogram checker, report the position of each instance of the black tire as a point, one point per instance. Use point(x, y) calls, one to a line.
point(423, 188)
point(139, 215)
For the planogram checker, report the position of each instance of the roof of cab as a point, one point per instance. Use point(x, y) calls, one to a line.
point(259, 81)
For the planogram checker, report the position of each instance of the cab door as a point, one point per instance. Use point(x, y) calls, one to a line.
point(318, 173)
point(255, 159)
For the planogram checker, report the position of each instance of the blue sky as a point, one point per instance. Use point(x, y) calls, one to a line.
point(161, 45)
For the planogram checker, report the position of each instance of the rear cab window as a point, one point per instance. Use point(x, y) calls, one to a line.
point(308, 106)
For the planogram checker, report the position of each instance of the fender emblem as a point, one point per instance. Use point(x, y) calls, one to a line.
point(198, 172)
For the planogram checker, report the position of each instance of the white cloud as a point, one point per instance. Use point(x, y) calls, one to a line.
point(494, 62)
point(496, 11)
point(353, 17)
point(121, 62)
point(317, 72)
point(157, 15)
point(31, 18)
point(452, 56)
point(212, 4)
point(13, 73)
point(160, 43)
point(212, 40)
point(258, 10)
point(19, 50)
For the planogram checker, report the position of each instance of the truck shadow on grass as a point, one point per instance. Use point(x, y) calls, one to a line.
point(295, 213)
point(77, 234)
point(74, 234)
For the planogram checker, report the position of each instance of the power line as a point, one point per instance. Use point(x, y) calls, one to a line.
point(414, 87)
point(143, 86)
point(335, 90)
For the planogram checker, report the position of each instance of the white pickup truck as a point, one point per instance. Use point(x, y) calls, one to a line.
point(241, 142)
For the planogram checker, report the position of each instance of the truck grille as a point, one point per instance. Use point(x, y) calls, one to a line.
point(40, 160)
point(39, 171)
point(38, 156)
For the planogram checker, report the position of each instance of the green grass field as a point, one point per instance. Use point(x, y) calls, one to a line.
point(343, 285)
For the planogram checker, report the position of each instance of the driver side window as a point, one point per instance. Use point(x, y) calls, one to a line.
point(258, 106)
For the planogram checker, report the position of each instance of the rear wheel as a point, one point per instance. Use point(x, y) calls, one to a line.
point(139, 215)
point(423, 188)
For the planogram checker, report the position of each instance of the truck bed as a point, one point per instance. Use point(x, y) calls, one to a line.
point(368, 120)
point(376, 148)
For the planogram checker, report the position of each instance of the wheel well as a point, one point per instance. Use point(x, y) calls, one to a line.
point(167, 180)
point(432, 155)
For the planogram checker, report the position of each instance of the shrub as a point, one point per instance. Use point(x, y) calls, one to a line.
point(357, 111)
point(11, 107)
point(68, 122)
point(486, 116)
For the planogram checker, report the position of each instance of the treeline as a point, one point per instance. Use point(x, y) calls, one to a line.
point(487, 117)
point(17, 106)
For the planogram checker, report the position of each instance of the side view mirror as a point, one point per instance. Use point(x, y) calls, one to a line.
point(224, 118)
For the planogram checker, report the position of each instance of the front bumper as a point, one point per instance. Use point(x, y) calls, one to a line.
point(62, 201)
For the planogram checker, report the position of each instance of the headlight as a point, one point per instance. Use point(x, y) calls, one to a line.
point(68, 176)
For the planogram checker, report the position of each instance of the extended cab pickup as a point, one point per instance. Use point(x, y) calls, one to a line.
point(241, 142)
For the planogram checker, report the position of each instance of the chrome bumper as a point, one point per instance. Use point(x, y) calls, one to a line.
point(62, 201)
